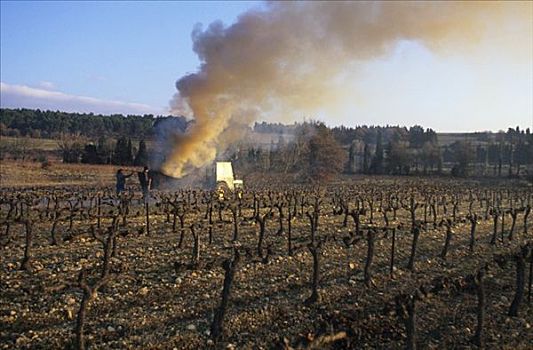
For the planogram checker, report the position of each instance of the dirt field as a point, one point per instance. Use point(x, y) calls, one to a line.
point(32, 174)
point(156, 298)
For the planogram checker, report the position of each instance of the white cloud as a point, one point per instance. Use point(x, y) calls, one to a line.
point(47, 85)
point(22, 96)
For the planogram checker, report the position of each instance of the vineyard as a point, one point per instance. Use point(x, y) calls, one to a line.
point(367, 263)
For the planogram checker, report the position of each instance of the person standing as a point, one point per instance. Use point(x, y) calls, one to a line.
point(121, 180)
point(146, 182)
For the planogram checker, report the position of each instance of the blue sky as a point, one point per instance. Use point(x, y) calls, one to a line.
point(125, 57)
point(123, 51)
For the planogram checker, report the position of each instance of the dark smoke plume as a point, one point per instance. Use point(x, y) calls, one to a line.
point(290, 56)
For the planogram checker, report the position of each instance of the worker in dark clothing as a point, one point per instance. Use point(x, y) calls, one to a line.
point(121, 180)
point(146, 182)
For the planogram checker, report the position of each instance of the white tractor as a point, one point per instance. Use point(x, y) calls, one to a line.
point(225, 179)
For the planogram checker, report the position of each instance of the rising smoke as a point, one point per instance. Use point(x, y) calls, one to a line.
point(289, 56)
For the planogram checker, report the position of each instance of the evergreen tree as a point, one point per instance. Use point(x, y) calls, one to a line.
point(397, 158)
point(352, 156)
point(104, 149)
point(90, 155)
point(141, 159)
point(121, 155)
point(377, 161)
point(129, 153)
point(366, 158)
point(416, 136)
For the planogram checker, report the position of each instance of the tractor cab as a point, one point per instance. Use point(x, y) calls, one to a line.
point(225, 179)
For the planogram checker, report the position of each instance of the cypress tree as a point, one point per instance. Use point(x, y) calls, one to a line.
point(377, 161)
point(129, 153)
point(121, 155)
point(141, 158)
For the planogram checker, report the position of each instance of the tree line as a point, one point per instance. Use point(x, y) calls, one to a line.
point(391, 150)
point(123, 152)
point(309, 149)
point(53, 124)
